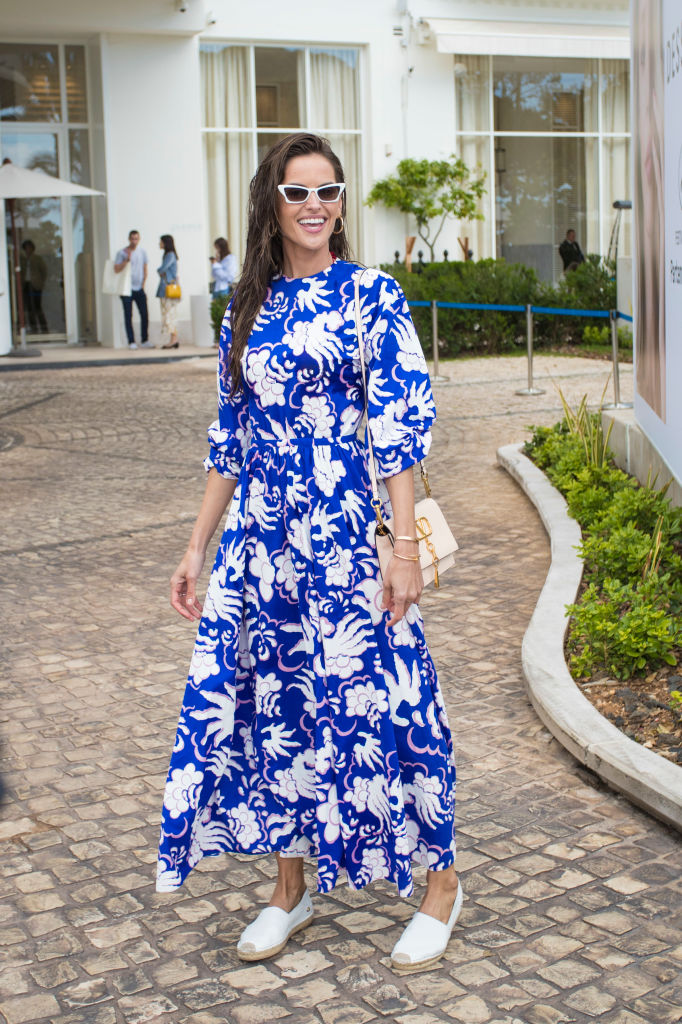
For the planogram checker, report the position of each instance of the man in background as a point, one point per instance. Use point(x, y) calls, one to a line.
point(570, 251)
point(33, 276)
point(136, 256)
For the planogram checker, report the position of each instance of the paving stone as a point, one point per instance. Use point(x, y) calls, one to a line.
point(310, 993)
point(99, 1014)
point(29, 1008)
point(433, 989)
point(174, 972)
point(652, 1008)
point(85, 993)
point(591, 1000)
point(361, 922)
point(261, 1014)
point(141, 1009)
point(568, 973)
point(468, 1009)
point(113, 935)
point(14, 981)
point(206, 992)
point(479, 973)
point(624, 1017)
point(300, 965)
point(253, 980)
point(554, 946)
point(542, 1013)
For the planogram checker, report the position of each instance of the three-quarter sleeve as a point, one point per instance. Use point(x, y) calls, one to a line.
point(228, 435)
point(400, 403)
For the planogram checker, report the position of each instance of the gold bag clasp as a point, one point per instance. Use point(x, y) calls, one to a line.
point(423, 528)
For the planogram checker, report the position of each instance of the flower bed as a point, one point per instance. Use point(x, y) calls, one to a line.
point(625, 632)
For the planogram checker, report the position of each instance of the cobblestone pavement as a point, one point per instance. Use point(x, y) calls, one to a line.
point(573, 900)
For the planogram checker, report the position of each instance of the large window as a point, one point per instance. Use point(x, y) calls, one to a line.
point(553, 136)
point(44, 125)
point(254, 95)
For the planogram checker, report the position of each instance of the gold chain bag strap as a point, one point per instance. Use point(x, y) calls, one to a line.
point(437, 544)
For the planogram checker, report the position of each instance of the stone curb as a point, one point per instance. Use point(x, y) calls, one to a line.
point(650, 781)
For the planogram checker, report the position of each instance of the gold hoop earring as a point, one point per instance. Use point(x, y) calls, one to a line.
point(340, 231)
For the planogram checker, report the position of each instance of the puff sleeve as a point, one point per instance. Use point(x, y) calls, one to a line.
point(400, 403)
point(228, 436)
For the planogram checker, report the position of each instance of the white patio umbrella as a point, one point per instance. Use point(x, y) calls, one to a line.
point(20, 183)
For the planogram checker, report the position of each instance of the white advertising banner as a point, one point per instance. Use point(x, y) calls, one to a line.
point(657, 130)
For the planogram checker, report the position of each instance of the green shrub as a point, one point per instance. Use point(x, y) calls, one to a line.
point(591, 286)
point(600, 337)
point(643, 507)
point(629, 617)
point(622, 554)
point(485, 281)
point(218, 307)
point(623, 628)
point(590, 494)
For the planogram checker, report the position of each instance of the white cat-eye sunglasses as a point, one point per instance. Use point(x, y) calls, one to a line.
point(325, 193)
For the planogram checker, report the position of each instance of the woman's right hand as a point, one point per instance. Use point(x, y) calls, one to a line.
point(183, 594)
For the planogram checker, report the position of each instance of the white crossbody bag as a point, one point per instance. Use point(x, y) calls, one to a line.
point(437, 544)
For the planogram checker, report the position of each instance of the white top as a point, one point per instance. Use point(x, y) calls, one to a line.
point(138, 261)
point(224, 272)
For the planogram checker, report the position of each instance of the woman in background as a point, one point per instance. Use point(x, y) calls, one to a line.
point(168, 274)
point(223, 269)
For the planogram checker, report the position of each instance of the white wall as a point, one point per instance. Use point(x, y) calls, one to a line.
point(154, 164)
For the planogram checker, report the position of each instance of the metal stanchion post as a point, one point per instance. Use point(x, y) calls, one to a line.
point(530, 390)
point(616, 403)
point(437, 375)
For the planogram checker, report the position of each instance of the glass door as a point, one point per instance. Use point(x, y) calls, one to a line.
point(39, 238)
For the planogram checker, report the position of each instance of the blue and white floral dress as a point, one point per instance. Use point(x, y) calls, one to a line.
point(309, 726)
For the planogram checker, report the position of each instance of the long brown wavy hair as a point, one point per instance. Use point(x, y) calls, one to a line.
point(264, 254)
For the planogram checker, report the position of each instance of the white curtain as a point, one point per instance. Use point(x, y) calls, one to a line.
point(475, 152)
point(226, 90)
point(616, 96)
point(472, 93)
point(616, 152)
point(616, 177)
point(472, 98)
point(334, 105)
point(333, 90)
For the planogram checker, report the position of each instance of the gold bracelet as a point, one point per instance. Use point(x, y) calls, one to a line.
point(407, 558)
point(415, 540)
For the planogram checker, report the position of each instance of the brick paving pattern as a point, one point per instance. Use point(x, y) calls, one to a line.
point(573, 901)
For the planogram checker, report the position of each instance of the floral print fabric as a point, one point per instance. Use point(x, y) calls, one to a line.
point(308, 725)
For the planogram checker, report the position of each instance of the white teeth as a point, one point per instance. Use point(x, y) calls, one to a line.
point(312, 220)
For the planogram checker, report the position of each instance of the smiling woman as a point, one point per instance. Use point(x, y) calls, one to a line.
point(313, 723)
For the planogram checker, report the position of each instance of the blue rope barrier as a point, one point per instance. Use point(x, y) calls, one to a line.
point(570, 312)
point(624, 316)
point(547, 310)
point(480, 305)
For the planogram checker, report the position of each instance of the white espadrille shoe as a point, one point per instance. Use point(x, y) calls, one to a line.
point(425, 939)
point(272, 929)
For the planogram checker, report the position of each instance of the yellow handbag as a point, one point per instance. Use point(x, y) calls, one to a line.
point(173, 290)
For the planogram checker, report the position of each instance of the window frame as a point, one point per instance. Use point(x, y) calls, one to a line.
point(493, 135)
point(328, 130)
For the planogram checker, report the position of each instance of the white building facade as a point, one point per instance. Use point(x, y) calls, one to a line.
point(167, 107)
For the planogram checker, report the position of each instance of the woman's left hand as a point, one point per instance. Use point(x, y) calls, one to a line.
point(403, 585)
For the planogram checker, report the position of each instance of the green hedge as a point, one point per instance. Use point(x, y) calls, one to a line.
point(629, 617)
point(590, 286)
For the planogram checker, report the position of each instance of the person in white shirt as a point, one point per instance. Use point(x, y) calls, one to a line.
point(223, 268)
point(134, 254)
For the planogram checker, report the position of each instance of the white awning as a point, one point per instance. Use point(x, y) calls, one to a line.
point(530, 39)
